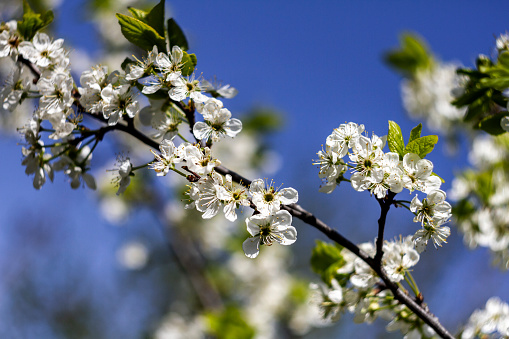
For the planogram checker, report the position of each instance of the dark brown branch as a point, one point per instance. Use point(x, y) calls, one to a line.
point(385, 205)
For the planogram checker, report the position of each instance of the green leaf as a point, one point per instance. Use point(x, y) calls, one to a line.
point(326, 259)
point(155, 18)
point(395, 139)
point(491, 124)
point(500, 83)
point(189, 63)
point(469, 97)
point(415, 133)
point(138, 14)
point(411, 56)
point(140, 34)
point(422, 146)
point(32, 22)
point(478, 107)
point(229, 324)
point(503, 60)
point(176, 35)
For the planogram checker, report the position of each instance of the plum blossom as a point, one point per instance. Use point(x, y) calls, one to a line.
point(433, 206)
point(170, 155)
point(9, 39)
point(122, 178)
point(170, 64)
point(118, 101)
point(218, 122)
point(137, 70)
point(41, 51)
point(199, 160)
point(417, 174)
point(15, 89)
point(267, 229)
point(269, 199)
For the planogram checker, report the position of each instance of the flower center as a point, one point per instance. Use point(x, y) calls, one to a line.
point(268, 197)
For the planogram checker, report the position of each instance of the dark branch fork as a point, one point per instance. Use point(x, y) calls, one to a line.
point(415, 305)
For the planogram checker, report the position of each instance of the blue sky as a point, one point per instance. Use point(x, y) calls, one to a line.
point(320, 64)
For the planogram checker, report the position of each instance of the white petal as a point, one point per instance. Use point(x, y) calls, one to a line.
point(252, 228)
point(232, 127)
point(288, 196)
point(229, 211)
point(201, 130)
point(257, 186)
point(251, 247)
point(283, 218)
point(288, 235)
point(178, 93)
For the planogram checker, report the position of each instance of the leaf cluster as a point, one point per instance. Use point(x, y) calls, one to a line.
point(420, 145)
point(32, 22)
point(146, 29)
point(486, 105)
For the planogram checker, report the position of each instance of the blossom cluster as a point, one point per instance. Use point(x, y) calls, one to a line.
point(42, 71)
point(379, 172)
point(209, 192)
point(491, 322)
point(357, 289)
point(429, 95)
point(482, 198)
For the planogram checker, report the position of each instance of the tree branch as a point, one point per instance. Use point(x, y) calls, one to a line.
point(385, 205)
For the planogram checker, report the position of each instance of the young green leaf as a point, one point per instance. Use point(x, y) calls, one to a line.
point(411, 56)
point(189, 62)
point(422, 146)
point(32, 22)
point(326, 259)
point(140, 34)
point(138, 14)
point(415, 133)
point(492, 125)
point(176, 35)
point(155, 18)
point(395, 139)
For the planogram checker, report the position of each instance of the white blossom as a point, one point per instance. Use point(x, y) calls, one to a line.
point(93, 81)
point(170, 65)
point(199, 160)
point(170, 155)
point(234, 195)
point(268, 199)
point(432, 207)
point(137, 70)
point(218, 122)
point(9, 39)
point(42, 51)
point(15, 88)
point(122, 178)
point(118, 101)
point(435, 232)
point(417, 174)
point(344, 137)
point(267, 229)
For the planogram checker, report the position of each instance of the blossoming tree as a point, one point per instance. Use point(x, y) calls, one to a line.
point(162, 103)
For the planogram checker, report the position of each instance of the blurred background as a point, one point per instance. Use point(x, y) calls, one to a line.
point(85, 264)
